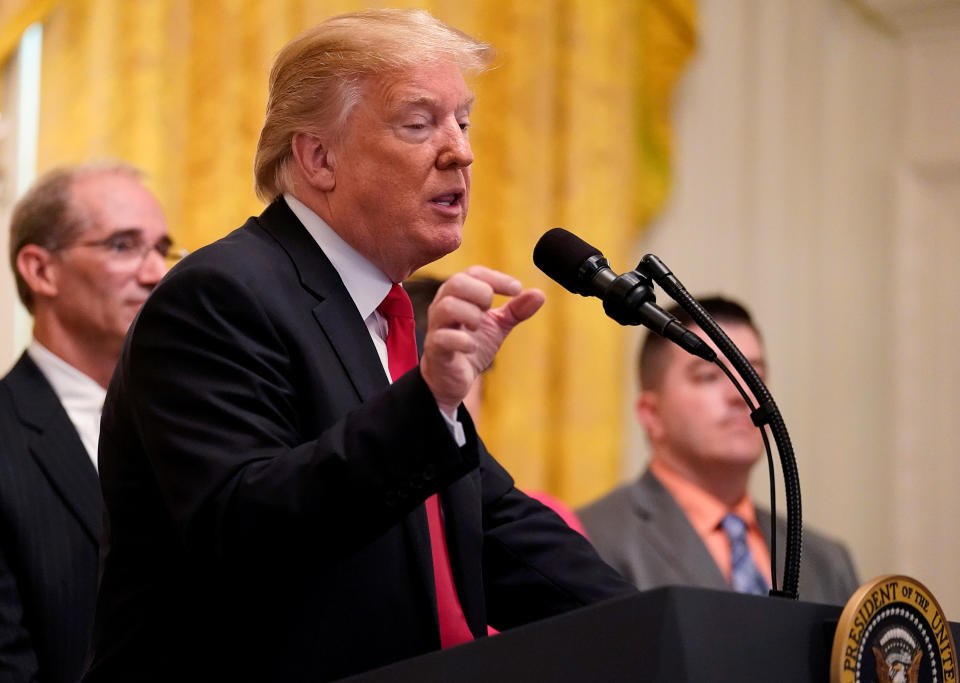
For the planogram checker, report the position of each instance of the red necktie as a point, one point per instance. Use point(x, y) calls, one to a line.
point(401, 356)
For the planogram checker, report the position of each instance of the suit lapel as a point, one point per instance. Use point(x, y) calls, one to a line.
point(667, 529)
point(342, 325)
point(55, 445)
point(335, 312)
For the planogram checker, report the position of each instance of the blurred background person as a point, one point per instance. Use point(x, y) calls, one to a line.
point(87, 245)
point(688, 519)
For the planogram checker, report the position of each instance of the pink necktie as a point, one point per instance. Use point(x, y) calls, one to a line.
point(401, 356)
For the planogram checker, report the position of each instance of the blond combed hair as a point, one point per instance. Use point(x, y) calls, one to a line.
point(316, 79)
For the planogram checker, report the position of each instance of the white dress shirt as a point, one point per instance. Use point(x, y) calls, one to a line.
point(366, 284)
point(80, 396)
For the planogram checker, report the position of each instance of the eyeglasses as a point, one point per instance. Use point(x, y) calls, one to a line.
point(128, 247)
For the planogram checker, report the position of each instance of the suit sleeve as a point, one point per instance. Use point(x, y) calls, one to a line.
point(18, 660)
point(535, 565)
point(844, 573)
point(215, 386)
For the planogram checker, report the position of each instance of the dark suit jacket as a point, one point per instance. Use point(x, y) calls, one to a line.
point(265, 483)
point(50, 520)
point(645, 535)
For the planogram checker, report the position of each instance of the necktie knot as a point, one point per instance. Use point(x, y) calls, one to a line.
point(401, 332)
point(396, 304)
point(734, 527)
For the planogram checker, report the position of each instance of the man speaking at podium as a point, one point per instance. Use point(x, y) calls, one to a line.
point(688, 520)
point(278, 509)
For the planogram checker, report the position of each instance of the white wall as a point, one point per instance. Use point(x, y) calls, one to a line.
point(926, 396)
point(818, 179)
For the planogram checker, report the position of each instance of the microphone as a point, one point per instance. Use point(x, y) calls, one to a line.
point(581, 268)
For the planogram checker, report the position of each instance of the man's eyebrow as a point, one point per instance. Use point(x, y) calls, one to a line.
point(125, 232)
point(418, 99)
point(694, 364)
point(421, 99)
point(135, 232)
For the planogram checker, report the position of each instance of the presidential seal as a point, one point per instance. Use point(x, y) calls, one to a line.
point(892, 630)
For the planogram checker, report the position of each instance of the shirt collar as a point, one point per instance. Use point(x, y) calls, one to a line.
point(366, 284)
point(704, 511)
point(71, 386)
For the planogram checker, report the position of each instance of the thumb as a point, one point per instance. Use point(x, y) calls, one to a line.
point(520, 307)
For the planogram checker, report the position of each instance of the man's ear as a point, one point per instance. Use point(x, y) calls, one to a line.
point(39, 270)
point(315, 161)
point(648, 413)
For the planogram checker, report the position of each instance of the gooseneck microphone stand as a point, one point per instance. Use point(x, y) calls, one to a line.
point(766, 413)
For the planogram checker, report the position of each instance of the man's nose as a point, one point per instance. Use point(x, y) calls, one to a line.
point(732, 394)
point(152, 269)
point(456, 152)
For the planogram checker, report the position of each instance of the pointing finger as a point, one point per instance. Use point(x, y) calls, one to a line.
point(501, 283)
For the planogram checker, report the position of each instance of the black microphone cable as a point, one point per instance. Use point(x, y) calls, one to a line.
point(770, 473)
point(582, 269)
point(766, 413)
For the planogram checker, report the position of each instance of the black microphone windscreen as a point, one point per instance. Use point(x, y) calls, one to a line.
point(560, 253)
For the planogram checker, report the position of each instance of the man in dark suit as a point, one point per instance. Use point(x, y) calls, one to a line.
point(688, 519)
point(279, 510)
point(83, 247)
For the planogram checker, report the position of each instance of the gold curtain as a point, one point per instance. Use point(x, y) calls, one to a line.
point(15, 17)
point(570, 129)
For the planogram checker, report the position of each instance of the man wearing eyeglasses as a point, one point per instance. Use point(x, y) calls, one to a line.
point(87, 245)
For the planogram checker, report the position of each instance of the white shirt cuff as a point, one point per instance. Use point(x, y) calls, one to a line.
point(456, 428)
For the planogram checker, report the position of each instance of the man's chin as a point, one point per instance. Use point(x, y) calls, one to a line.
point(738, 454)
point(123, 325)
point(443, 243)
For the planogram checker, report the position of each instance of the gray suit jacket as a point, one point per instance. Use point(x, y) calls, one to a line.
point(643, 533)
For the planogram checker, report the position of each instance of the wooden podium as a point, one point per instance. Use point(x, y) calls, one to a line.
point(668, 635)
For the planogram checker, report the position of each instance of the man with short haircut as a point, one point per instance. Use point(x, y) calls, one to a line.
point(87, 245)
point(291, 496)
point(688, 519)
